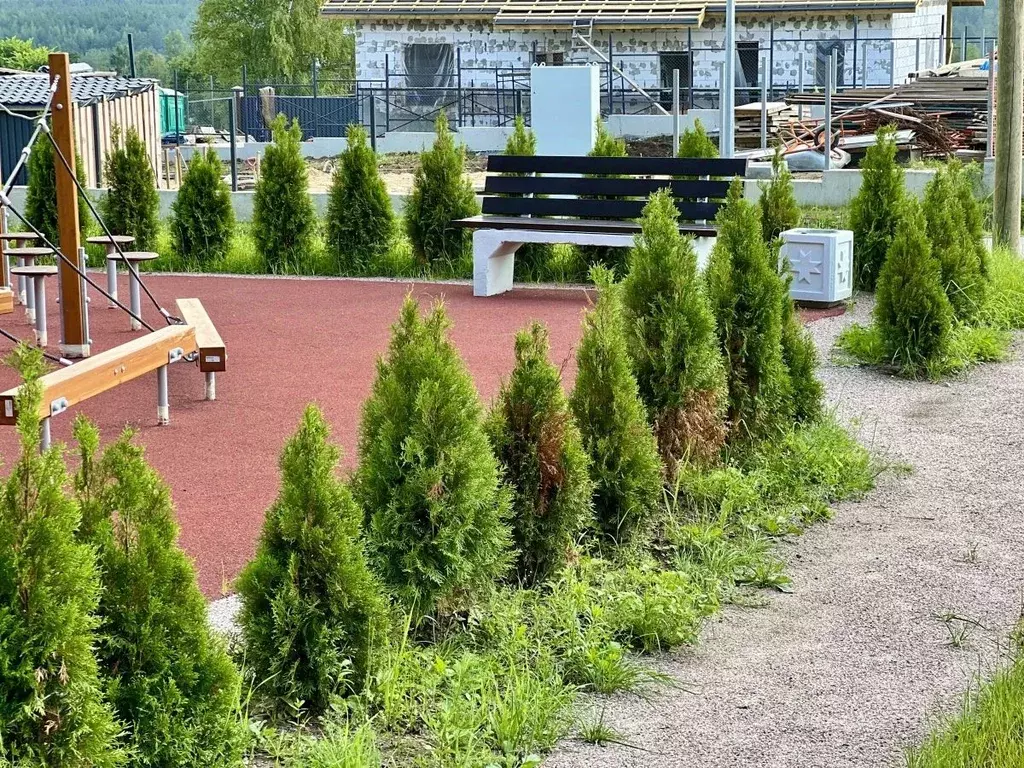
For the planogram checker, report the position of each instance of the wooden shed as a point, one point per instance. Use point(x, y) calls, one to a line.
point(101, 102)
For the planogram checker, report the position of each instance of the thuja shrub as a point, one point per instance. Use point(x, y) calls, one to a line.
point(624, 463)
point(695, 142)
point(779, 210)
point(169, 679)
point(874, 211)
point(746, 295)
point(132, 205)
point(671, 339)
point(360, 220)
point(605, 145)
point(41, 195)
point(52, 708)
point(531, 258)
point(283, 218)
point(427, 476)
point(800, 357)
point(202, 217)
point(441, 193)
point(965, 180)
point(312, 613)
point(539, 448)
point(953, 246)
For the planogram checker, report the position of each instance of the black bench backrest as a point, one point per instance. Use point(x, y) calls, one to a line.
point(605, 187)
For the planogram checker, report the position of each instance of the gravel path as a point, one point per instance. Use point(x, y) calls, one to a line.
point(856, 664)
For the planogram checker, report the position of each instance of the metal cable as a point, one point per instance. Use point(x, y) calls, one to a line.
point(47, 355)
point(40, 127)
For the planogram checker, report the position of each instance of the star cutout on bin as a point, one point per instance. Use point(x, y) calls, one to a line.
point(806, 267)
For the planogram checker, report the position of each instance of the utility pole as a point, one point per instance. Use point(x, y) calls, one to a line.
point(727, 133)
point(74, 340)
point(1009, 126)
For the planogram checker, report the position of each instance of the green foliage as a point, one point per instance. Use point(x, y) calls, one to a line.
point(132, 205)
point(800, 357)
point(958, 252)
point(169, 678)
point(695, 142)
point(41, 195)
point(1004, 300)
point(671, 339)
point(22, 54)
point(605, 145)
point(531, 259)
point(624, 463)
point(779, 210)
point(427, 478)
point(360, 221)
point(52, 710)
point(874, 211)
point(746, 294)
point(203, 218)
point(341, 748)
point(283, 219)
point(312, 614)
point(539, 447)
point(441, 193)
point(966, 179)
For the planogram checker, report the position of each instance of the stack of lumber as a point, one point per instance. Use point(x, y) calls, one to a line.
point(748, 122)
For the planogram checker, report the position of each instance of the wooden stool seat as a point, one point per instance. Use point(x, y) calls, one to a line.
point(111, 244)
point(133, 256)
point(30, 251)
point(35, 270)
point(111, 240)
point(18, 237)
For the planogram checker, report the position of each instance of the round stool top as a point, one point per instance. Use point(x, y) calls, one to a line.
point(133, 256)
point(104, 240)
point(31, 251)
point(16, 236)
point(39, 270)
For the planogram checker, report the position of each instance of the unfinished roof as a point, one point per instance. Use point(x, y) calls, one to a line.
point(32, 90)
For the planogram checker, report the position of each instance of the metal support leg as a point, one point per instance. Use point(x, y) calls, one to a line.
point(44, 434)
point(30, 303)
point(163, 407)
point(211, 386)
point(112, 282)
point(21, 283)
point(136, 301)
point(40, 293)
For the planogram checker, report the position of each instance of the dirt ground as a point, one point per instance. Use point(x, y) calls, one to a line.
point(397, 170)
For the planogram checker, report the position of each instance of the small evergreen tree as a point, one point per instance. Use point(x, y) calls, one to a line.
point(41, 195)
point(203, 219)
point(132, 205)
point(624, 462)
point(953, 245)
point(800, 357)
point(965, 180)
point(283, 218)
point(360, 220)
point(52, 710)
point(441, 193)
point(874, 211)
point(531, 258)
point(427, 477)
point(170, 680)
point(672, 341)
point(779, 210)
point(312, 613)
point(695, 142)
point(605, 145)
point(746, 294)
point(539, 447)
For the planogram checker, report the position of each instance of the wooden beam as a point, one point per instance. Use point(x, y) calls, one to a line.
point(68, 386)
point(212, 352)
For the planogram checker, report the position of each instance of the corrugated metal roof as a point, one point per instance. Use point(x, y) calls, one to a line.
point(615, 13)
point(32, 90)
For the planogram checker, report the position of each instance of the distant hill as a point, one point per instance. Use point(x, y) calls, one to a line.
point(978, 20)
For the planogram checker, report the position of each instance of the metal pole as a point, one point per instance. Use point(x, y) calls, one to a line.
point(234, 149)
point(963, 45)
point(990, 106)
point(728, 131)
point(675, 113)
point(373, 122)
point(458, 86)
point(771, 58)
point(689, 62)
point(387, 96)
point(856, 29)
point(611, 97)
point(316, 93)
point(917, 54)
point(177, 125)
point(97, 142)
point(829, 74)
point(163, 406)
point(131, 54)
point(800, 84)
point(764, 102)
point(40, 310)
point(497, 95)
point(211, 385)
point(86, 301)
point(892, 63)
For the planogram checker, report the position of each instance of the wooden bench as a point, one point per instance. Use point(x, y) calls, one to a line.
point(213, 354)
point(586, 201)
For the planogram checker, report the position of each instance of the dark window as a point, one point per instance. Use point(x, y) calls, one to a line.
point(553, 59)
point(671, 60)
point(822, 56)
point(429, 69)
point(748, 56)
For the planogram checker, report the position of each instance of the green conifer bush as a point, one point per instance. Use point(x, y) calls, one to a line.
point(695, 142)
point(779, 210)
point(427, 477)
point(169, 679)
point(531, 258)
point(800, 357)
point(965, 180)
point(746, 294)
point(41, 195)
point(539, 448)
point(912, 313)
point(874, 211)
point(203, 219)
point(132, 205)
point(624, 463)
point(283, 219)
point(360, 220)
point(671, 338)
point(52, 709)
point(312, 613)
point(441, 193)
point(605, 145)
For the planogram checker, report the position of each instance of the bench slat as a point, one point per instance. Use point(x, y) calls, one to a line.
point(612, 209)
point(588, 185)
point(571, 225)
point(212, 352)
point(625, 166)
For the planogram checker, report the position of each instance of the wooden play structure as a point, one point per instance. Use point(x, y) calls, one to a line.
point(192, 337)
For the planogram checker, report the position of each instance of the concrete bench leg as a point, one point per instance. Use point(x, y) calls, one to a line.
point(493, 262)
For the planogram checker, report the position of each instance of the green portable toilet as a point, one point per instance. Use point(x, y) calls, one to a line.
point(167, 124)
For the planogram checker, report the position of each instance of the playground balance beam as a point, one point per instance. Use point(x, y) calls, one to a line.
point(212, 352)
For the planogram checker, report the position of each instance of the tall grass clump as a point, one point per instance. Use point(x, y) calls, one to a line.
point(52, 707)
point(202, 217)
point(531, 259)
point(779, 210)
point(1004, 300)
point(605, 145)
point(441, 193)
point(360, 220)
point(671, 339)
point(746, 295)
point(169, 679)
point(695, 142)
point(874, 211)
point(624, 462)
point(283, 219)
point(312, 614)
point(540, 450)
point(427, 478)
point(132, 205)
point(41, 195)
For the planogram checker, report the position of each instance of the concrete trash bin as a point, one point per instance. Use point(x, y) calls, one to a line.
point(821, 262)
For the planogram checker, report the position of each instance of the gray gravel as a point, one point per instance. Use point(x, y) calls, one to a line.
point(857, 663)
